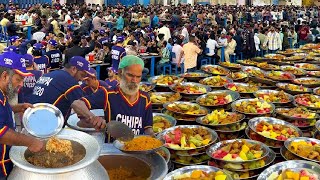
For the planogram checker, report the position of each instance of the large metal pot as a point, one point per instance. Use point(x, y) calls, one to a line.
point(98, 135)
point(86, 169)
point(153, 166)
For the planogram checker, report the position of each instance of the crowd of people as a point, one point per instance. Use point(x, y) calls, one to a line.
point(48, 67)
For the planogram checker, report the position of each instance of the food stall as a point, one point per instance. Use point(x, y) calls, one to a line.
point(254, 119)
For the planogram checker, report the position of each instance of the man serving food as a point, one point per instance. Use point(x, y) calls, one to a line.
point(124, 103)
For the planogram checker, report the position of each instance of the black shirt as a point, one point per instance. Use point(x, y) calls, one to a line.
point(55, 59)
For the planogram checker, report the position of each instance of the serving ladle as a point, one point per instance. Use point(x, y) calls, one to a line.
point(119, 131)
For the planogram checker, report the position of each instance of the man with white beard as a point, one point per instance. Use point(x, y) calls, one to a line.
point(12, 73)
point(124, 103)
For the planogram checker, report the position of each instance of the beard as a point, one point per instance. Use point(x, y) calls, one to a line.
point(12, 94)
point(129, 88)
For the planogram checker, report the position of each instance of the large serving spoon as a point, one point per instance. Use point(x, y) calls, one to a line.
point(119, 131)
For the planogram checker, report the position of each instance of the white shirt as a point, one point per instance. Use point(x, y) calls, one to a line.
point(223, 42)
point(256, 42)
point(166, 31)
point(177, 50)
point(185, 34)
point(66, 18)
point(211, 45)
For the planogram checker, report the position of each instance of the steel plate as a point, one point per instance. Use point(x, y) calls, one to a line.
point(318, 125)
point(214, 135)
point(298, 139)
point(74, 119)
point(234, 95)
point(316, 91)
point(241, 84)
point(217, 146)
point(268, 160)
point(294, 118)
point(241, 100)
point(187, 103)
point(266, 91)
point(189, 169)
point(215, 66)
point(207, 88)
point(164, 93)
point(120, 145)
point(200, 120)
point(316, 67)
point(171, 119)
point(309, 107)
point(202, 81)
point(255, 121)
point(317, 84)
point(292, 77)
point(154, 78)
point(148, 84)
point(304, 72)
point(283, 87)
point(294, 165)
point(44, 120)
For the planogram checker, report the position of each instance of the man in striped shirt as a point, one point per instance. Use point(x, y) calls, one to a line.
point(273, 40)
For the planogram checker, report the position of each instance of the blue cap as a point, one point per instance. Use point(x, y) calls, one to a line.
point(14, 39)
point(14, 61)
point(53, 42)
point(120, 39)
point(92, 73)
point(28, 58)
point(80, 63)
point(112, 69)
point(102, 31)
point(37, 46)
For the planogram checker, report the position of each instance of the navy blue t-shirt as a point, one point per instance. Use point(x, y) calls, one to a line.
point(6, 123)
point(55, 59)
point(42, 63)
point(137, 115)
point(28, 85)
point(117, 53)
point(112, 83)
point(88, 90)
point(58, 88)
point(103, 40)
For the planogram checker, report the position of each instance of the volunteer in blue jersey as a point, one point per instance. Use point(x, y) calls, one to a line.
point(28, 83)
point(112, 77)
point(61, 87)
point(12, 72)
point(125, 103)
point(91, 84)
point(42, 61)
point(54, 55)
point(117, 53)
point(20, 44)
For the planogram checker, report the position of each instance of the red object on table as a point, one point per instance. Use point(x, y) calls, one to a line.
point(69, 21)
point(23, 22)
point(91, 57)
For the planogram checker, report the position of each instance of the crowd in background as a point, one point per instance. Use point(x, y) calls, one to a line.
point(188, 32)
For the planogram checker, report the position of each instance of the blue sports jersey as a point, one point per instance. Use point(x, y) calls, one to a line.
point(117, 53)
point(6, 123)
point(55, 59)
point(88, 90)
point(103, 40)
point(112, 83)
point(58, 88)
point(28, 85)
point(137, 115)
point(42, 63)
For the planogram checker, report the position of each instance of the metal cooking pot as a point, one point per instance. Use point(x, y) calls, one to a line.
point(86, 169)
point(153, 166)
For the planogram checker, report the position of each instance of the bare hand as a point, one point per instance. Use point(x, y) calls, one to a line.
point(149, 131)
point(98, 123)
point(20, 108)
point(36, 145)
